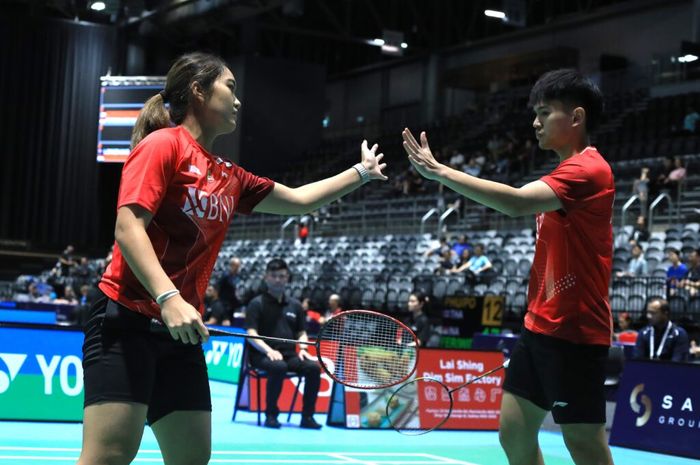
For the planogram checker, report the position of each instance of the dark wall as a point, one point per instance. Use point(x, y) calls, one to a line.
point(49, 94)
point(283, 105)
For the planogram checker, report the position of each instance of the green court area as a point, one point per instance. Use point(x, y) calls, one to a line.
point(243, 442)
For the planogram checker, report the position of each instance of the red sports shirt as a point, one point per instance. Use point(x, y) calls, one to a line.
point(568, 294)
point(192, 196)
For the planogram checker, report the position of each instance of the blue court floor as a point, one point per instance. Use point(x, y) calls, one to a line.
point(25, 443)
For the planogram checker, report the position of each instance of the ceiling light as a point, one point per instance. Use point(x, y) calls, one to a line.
point(98, 6)
point(495, 14)
point(687, 58)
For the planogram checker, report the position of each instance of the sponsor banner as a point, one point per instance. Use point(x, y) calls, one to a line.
point(224, 356)
point(41, 373)
point(476, 407)
point(658, 408)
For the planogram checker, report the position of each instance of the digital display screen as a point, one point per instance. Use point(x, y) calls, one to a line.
point(121, 100)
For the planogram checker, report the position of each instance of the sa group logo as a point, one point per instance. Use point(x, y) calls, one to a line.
point(644, 415)
point(13, 362)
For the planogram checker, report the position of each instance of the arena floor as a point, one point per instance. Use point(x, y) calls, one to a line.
point(31, 443)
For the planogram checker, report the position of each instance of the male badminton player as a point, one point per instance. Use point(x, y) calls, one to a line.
point(558, 363)
point(176, 200)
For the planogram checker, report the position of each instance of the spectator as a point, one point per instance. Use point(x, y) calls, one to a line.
point(35, 295)
point(69, 297)
point(439, 249)
point(228, 286)
point(640, 188)
point(694, 351)
point(662, 177)
point(334, 307)
point(311, 315)
point(81, 273)
point(457, 159)
point(84, 298)
point(215, 313)
point(690, 122)
point(461, 244)
point(303, 233)
point(477, 266)
point(677, 175)
point(625, 333)
point(640, 233)
point(66, 261)
point(676, 272)
point(637, 265)
point(420, 324)
point(691, 283)
point(463, 260)
point(472, 168)
point(446, 263)
point(661, 339)
point(274, 314)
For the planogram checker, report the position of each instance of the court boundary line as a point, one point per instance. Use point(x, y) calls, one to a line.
point(337, 458)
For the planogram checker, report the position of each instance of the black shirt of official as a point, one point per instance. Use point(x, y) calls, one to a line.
point(216, 309)
point(270, 317)
point(227, 291)
point(421, 326)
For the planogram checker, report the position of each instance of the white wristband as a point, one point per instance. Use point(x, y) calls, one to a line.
point(160, 300)
point(362, 171)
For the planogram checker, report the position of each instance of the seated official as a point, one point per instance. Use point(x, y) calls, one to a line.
point(274, 314)
point(661, 340)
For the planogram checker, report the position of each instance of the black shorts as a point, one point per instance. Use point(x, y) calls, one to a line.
point(559, 376)
point(123, 361)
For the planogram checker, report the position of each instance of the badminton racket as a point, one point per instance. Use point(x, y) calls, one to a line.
point(402, 408)
point(359, 348)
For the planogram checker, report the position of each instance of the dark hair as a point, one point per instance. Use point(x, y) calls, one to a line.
point(192, 67)
point(276, 264)
point(422, 298)
point(637, 244)
point(572, 89)
point(676, 251)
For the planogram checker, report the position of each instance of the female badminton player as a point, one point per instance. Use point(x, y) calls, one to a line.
point(176, 200)
point(558, 363)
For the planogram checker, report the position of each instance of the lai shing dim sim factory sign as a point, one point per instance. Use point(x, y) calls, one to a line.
point(658, 408)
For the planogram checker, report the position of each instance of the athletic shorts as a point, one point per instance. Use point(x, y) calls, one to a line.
point(124, 362)
point(559, 376)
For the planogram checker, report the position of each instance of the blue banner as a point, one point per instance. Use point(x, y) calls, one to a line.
point(658, 408)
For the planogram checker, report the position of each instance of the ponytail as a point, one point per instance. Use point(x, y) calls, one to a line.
point(153, 116)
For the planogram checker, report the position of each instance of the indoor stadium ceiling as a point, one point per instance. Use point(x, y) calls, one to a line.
point(336, 33)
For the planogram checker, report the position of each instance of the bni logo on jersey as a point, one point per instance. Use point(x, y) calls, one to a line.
point(208, 206)
point(14, 363)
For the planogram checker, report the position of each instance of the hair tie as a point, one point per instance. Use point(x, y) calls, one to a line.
point(163, 95)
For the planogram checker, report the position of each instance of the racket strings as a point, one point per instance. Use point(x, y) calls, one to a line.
point(367, 350)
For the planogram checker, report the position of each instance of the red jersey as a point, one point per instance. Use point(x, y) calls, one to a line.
point(569, 278)
point(192, 196)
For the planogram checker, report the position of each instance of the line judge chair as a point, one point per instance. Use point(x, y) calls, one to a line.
point(249, 371)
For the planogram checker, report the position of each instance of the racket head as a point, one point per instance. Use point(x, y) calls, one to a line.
point(419, 406)
point(367, 350)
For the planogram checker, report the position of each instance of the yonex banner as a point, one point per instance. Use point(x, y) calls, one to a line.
point(41, 373)
point(658, 408)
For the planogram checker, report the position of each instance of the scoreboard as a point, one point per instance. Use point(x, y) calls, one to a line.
point(121, 100)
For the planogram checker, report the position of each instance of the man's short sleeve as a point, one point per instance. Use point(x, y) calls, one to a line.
point(252, 314)
point(253, 190)
point(148, 171)
point(575, 183)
